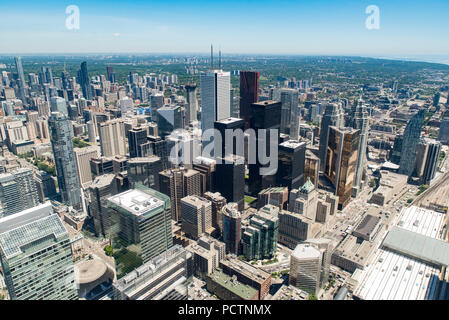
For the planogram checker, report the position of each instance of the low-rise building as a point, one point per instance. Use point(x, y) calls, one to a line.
point(207, 254)
point(229, 288)
point(248, 274)
point(351, 254)
point(390, 184)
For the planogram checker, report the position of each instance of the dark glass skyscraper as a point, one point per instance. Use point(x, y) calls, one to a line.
point(85, 81)
point(226, 127)
point(136, 138)
point(110, 73)
point(264, 115)
point(431, 164)
point(410, 142)
point(67, 174)
point(291, 164)
point(249, 93)
point(230, 179)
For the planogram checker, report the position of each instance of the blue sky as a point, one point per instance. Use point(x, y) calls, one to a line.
point(330, 27)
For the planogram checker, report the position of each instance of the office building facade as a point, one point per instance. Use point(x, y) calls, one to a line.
point(249, 94)
point(341, 161)
point(36, 256)
point(65, 161)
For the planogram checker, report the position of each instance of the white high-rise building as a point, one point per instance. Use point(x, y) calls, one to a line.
point(112, 138)
point(305, 268)
point(126, 106)
point(83, 156)
point(215, 97)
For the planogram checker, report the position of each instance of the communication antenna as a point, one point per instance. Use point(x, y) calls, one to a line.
point(211, 57)
point(219, 59)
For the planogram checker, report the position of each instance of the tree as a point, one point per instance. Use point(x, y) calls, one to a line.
point(312, 297)
point(108, 250)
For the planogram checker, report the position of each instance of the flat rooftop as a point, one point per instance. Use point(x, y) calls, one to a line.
point(230, 120)
point(246, 269)
point(153, 268)
point(422, 221)
point(397, 276)
point(368, 224)
point(414, 245)
point(136, 202)
point(306, 251)
point(293, 144)
point(28, 226)
point(393, 276)
point(232, 284)
point(151, 158)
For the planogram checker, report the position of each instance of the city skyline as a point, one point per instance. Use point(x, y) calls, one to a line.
point(315, 168)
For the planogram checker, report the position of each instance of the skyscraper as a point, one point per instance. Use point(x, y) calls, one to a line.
point(112, 138)
point(45, 185)
point(259, 240)
point(230, 179)
point(36, 256)
point(145, 170)
point(196, 216)
point(47, 75)
point(232, 220)
point(83, 157)
point(110, 73)
point(291, 164)
point(142, 217)
point(85, 81)
point(305, 268)
point(311, 167)
point(177, 184)
point(206, 167)
point(136, 138)
point(58, 104)
point(265, 115)
point(443, 134)
point(333, 116)
point(169, 118)
point(360, 122)
point(228, 129)
point(431, 161)
point(66, 170)
point(215, 97)
point(218, 202)
point(249, 93)
point(412, 133)
point(290, 112)
point(19, 68)
point(18, 61)
point(341, 160)
point(192, 103)
point(17, 191)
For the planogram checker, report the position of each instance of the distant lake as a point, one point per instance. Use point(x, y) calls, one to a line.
point(444, 59)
